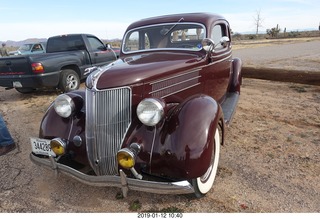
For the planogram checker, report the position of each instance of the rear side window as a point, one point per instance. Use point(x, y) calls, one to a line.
point(65, 43)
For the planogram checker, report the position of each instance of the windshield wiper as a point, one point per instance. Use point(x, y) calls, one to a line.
point(181, 19)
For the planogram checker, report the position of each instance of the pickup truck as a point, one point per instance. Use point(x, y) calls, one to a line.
point(61, 67)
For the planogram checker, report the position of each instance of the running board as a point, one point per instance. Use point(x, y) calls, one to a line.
point(229, 106)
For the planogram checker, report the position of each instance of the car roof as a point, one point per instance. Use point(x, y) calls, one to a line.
point(72, 34)
point(204, 18)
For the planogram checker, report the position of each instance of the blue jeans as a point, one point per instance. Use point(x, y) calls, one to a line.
point(5, 137)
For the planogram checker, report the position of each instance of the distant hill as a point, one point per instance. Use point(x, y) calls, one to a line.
point(11, 43)
point(17, 44)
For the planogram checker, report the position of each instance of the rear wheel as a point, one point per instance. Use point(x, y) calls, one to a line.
point(69, 81)
point(204, 183)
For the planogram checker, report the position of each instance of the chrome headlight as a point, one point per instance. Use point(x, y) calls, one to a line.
point(150, 111)
point(64, 105)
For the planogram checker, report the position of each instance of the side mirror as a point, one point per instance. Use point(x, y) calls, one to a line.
point(224, 41)
point(207, 44)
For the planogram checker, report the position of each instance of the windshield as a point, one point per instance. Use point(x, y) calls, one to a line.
point(25, 47)
point(185, 36)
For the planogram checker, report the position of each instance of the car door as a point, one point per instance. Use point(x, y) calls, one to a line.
point(217, 72)
point(99, 53)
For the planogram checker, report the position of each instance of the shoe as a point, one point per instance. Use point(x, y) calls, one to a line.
point(7, 149)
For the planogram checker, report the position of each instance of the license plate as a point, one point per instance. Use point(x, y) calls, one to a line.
point(41, 146)
point(17, 84)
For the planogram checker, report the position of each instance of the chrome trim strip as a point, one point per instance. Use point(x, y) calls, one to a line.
point(221, 60)
point(181, 187)
point(174, 84)
point(177, 91)
point(176, 76)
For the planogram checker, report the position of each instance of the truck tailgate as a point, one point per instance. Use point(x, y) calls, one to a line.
point(15, 66)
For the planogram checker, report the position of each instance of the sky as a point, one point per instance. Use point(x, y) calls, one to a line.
point(108, 19)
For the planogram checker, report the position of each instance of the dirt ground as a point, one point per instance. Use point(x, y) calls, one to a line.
point(270, 163)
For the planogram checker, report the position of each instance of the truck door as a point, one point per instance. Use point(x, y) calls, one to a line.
point(100, 54)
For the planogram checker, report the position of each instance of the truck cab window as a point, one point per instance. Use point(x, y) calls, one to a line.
point(37, 47)
point(96, 44)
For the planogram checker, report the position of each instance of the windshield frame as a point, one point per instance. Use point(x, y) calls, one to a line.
point(166, 31)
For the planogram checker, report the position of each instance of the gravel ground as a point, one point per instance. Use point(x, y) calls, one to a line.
point(270, 163)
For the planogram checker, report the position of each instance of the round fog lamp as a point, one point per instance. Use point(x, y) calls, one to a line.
point(126, 158)
point(58, 146)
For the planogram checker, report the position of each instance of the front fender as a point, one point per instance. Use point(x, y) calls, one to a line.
point(187, 139)
point(52, 126)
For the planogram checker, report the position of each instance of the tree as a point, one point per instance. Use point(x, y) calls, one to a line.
point(273, 32)
point(258, 21)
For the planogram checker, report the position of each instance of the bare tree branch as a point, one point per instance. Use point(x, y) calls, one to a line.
point(258, 20)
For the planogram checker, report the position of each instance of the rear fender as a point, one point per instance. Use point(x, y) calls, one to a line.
point(236, 76)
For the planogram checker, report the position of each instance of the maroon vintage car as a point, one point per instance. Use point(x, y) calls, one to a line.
point(153, 120)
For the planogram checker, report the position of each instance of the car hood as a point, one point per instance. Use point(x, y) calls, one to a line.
point(147, 67)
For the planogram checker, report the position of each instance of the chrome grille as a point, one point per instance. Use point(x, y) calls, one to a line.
point(108, 116)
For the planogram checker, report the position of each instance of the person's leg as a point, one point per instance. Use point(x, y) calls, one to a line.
point(6, 141)
point(5, 137)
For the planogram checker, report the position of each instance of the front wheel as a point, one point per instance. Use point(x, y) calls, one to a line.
point(69, 81)
point(204, 183)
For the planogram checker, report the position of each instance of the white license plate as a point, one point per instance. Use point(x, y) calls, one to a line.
point(41, 146)
point(17, 84)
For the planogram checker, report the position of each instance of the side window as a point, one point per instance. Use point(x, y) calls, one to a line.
point(37, 47)
point(132, 43)
point(95, 44)
point(218, 32)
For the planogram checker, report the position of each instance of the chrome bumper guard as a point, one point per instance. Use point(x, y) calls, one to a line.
point(126, 184)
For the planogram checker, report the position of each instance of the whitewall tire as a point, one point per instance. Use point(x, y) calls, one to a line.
point(204, 183)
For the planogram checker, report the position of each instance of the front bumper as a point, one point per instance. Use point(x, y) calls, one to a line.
point(126, 184)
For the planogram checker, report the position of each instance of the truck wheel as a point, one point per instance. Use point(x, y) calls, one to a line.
point(69, 81)
point(204, 183)
point(25, 90)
